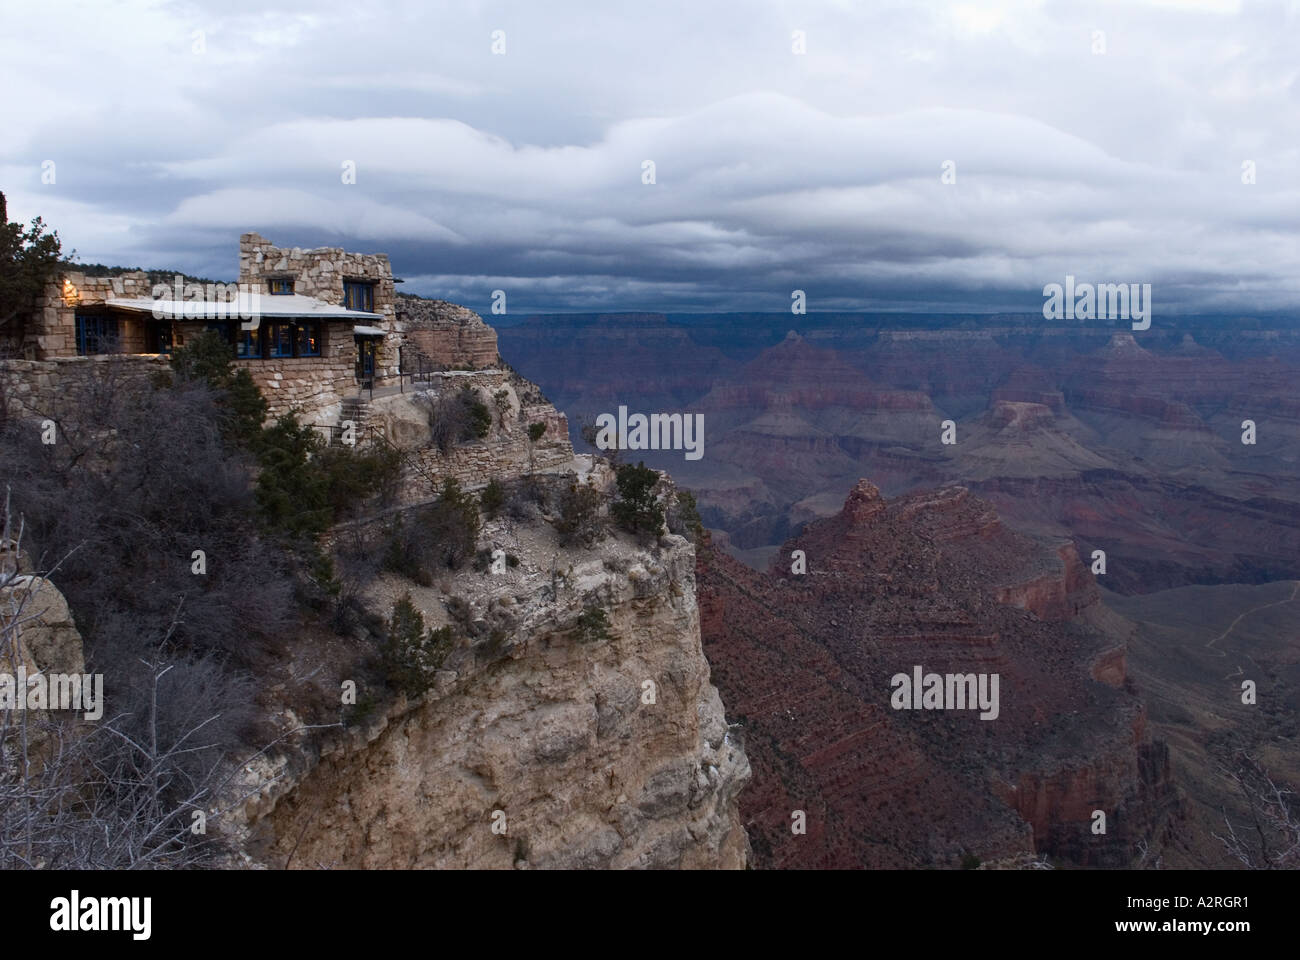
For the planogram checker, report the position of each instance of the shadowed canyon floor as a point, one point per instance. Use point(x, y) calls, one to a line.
point(1193, 648)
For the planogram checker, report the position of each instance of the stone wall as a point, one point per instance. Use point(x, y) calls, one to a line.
point(503, 454)
point(313, 386)
point(447, 333)
point(320, 273)
point(31, 388)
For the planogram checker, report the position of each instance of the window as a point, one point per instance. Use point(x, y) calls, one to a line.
point(223, 330)
point(249, 343)
point(358, 295)
point(95, 334)
point(158, 336)
point(279, 338)
point(308, 339)
point(280, 286)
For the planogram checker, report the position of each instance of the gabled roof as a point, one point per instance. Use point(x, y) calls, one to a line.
point(246, 307)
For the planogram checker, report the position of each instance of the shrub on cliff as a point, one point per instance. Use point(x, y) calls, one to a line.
point(480, 417)
point(492, 499)
point(406, 551)
point(28, 258)
point(579, 521)
point(502, 400)
point(528, 498)
point(208, 358)
point(304, 487)
point(457, 418)
point(683, 517)
point(535, 432)
point(413, 654)
point(356, 478)
point(444, 534)
point(593, 624)
point(637, 510)
point(292, 492)
point(451, 524)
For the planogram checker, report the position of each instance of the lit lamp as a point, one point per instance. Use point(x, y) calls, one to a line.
point(70, 294)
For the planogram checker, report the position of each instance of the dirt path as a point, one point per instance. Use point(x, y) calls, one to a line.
point(1264, 606)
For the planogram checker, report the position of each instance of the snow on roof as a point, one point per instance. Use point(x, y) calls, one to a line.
point(247, 306)
point(369, 331)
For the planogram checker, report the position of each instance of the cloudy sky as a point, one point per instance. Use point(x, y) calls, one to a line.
point(1104, 140)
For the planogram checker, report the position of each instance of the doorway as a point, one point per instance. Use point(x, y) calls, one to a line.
point(366, 361)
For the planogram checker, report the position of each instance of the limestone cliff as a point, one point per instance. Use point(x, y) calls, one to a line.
point(583, 752)
point(572, 724)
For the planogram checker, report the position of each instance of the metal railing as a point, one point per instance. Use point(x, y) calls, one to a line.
point(415, 366)
point(363, 434)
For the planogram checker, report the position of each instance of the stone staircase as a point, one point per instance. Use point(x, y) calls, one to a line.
point(356, 409)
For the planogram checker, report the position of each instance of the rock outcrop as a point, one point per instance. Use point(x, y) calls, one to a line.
point(446, 333)
point(49, 640)
point(506, 451)
point(39, 631)
point(573, 723)
point(537, 747)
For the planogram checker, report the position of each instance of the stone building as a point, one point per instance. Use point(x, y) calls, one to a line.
point(311, 326)
point(316, 328)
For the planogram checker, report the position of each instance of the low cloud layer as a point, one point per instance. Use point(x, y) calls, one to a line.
point(1103, 140)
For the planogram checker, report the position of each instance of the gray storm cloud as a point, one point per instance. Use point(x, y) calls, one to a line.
point(172, 128)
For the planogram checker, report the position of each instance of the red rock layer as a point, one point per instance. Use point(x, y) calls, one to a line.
point(932, 579)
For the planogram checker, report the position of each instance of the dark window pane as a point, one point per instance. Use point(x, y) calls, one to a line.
point(225, 331)
point(95, 334)
point(281, 340)
point(250, 343)
point(309, 340)
point(359, 296)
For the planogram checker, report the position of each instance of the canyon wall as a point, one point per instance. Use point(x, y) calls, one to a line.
point(605, 752)
point(933, 579)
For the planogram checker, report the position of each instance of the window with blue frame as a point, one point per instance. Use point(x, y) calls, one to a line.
point(96, 333)
point(308, 335)
point(280, 286)
point(358, 295)
point(279, 338)
point(249, 343)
